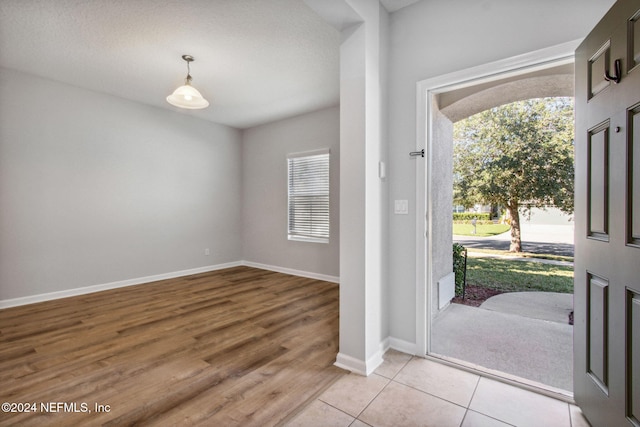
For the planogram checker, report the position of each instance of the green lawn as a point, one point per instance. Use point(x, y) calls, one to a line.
point(522, 254)
point(519, 276)
point(482, 230)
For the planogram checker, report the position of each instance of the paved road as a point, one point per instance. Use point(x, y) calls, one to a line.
point(537, 239)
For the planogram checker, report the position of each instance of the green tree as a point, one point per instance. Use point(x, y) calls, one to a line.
point(519, 155)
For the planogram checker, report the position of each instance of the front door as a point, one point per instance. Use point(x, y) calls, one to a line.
point(607, 214)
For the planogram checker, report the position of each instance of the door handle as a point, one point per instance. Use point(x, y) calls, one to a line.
point(616, 78)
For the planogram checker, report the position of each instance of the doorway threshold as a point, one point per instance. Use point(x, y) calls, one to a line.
point(514, 380)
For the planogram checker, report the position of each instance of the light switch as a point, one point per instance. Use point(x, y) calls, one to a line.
point(401, 207)
point(382, 170)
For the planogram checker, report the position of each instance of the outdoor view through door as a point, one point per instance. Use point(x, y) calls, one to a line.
point(606, 285)
point(606, 320)
point(513, 171)
point(445, 100)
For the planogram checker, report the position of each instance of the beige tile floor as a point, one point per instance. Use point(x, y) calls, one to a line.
point(410, 391)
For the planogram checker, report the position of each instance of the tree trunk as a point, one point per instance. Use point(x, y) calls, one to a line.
point(516, 242)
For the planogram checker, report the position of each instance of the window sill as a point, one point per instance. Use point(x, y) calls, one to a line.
point(308, 239)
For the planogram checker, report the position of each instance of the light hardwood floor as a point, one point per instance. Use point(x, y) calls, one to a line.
point(240, 346)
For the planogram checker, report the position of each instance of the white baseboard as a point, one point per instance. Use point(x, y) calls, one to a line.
point(358, 366)
point(352, 364)
point(385, 345)
point(317, 276)
point(375, 361)
point(403, 346)
point(366, 368)
point(14, 302)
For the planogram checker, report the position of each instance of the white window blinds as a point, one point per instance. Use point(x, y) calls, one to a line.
point(309, 196)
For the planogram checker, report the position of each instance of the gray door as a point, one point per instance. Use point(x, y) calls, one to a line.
point(607, 203)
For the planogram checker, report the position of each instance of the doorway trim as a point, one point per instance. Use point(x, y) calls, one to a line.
point(425, 91)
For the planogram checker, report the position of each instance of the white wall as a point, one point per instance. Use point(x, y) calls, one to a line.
point(430, 39)
point(353, 200)
point(96, 189)
point(264, 156)
point(363, 310)
point(363, 194)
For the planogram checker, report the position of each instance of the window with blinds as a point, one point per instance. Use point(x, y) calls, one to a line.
point(308, 184)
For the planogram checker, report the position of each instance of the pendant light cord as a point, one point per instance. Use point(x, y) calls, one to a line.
point(188, 79)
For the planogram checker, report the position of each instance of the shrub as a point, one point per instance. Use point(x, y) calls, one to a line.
point(468, 216)
point(459, 266)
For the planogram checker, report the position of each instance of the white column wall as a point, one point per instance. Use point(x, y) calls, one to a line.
point(363, 325)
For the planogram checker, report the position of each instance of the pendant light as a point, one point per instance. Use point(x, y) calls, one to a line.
point(187, 96)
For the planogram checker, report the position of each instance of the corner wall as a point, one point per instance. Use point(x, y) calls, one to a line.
point(96, 189)
point(264, 177)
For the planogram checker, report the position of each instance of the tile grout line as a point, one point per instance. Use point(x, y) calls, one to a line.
point(493, 418)
point(338, 409)
point(403, 366)
point(466, 410)
point(475, 390)
point(375, 397)
point(356, 418)
point(390, 380)
point(431, 394)
point(439, 397)
point(393, 379)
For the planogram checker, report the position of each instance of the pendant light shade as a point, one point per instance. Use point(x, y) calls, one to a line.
point(187, 96)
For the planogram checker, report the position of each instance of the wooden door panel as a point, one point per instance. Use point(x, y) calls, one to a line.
point(597, 327)
point(598, 65)
point(633, 356)
point(607, 220)
point(627, 49)
point(598, 182)
point(633, 40)
point(633, 176)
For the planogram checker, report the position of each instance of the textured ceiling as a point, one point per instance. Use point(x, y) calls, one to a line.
point(255, 60)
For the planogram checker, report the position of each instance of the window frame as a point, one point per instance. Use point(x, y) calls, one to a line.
point(307, 235)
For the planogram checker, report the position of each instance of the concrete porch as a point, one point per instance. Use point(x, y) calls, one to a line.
point(525, 334)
